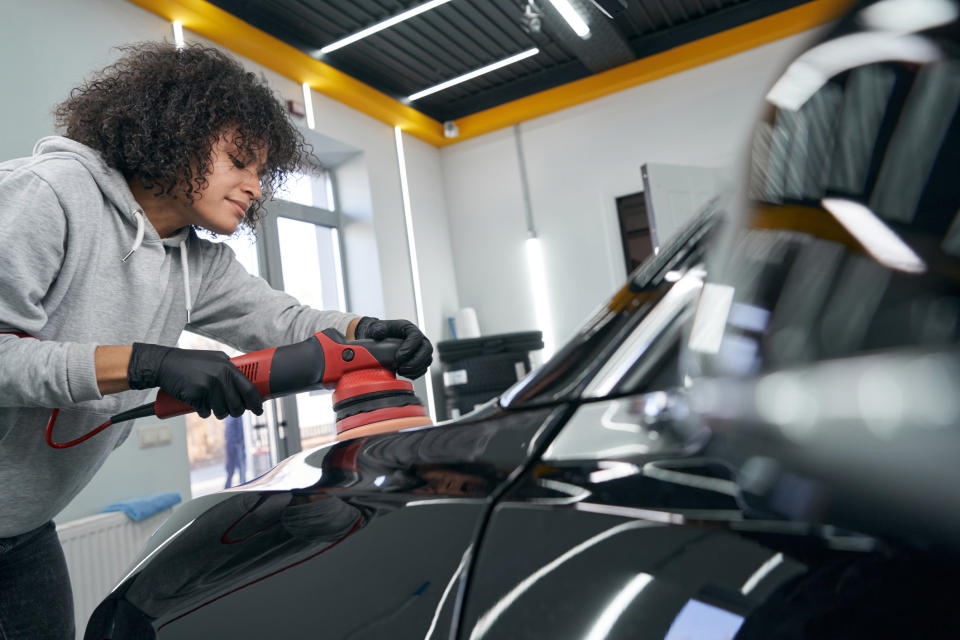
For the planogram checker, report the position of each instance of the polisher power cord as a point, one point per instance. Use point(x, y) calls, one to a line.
point(72, 443)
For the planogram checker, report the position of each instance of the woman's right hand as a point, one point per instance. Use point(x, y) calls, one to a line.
point(205, 380)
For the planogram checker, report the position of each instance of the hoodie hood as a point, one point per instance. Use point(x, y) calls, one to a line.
point(116, 190)
point(111, 182)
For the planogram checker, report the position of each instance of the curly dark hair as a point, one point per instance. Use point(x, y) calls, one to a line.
point(156, 113)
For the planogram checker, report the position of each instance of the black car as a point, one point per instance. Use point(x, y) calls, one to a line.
point(589, 502)
point(767, 451)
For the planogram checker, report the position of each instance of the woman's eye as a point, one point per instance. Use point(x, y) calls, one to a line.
point(237, 163)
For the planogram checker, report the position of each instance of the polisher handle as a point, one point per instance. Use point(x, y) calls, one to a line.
point(317, 362)
point(344, 356)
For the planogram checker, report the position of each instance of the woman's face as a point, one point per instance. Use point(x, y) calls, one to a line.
point(232, 185)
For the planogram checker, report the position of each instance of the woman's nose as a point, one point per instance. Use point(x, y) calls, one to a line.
point(252, 187)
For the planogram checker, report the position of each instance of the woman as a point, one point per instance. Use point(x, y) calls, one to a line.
point(102, 264)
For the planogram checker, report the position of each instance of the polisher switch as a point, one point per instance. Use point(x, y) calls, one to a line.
point(318, 362)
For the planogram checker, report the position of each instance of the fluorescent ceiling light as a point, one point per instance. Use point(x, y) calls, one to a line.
point(541, 301)
point(905, 16)
point(572, 17)
point(338, 263)
point(811, 71)
point(178, 34)
point(414, 262)
point(877, 238)
point(475, 73)
point(308, 105)
point(380, 26)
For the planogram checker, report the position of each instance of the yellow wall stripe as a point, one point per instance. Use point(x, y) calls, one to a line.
point(219, 26)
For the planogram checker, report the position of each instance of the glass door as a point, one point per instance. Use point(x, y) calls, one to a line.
point(301, 244)
point(229, 452)
point(297, 250)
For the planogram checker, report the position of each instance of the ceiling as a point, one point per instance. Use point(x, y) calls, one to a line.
point(463, 35)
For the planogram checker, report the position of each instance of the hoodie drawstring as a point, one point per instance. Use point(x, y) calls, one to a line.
point(138, 214)
point(185, 264)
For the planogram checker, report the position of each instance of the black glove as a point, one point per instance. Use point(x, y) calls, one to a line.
point(205, 380)
point(414, 355)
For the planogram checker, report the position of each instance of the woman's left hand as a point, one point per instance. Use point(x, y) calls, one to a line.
point(414, 354)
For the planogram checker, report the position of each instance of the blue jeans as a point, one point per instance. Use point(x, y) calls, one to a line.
point(36, 602)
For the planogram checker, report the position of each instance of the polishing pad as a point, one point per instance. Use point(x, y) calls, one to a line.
point(384, 426)
point(375, 401)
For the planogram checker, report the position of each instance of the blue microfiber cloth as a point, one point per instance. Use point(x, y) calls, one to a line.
point(145, 506)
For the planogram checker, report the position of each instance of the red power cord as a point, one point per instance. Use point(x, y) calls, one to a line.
point(72, 443)
point(56, 412)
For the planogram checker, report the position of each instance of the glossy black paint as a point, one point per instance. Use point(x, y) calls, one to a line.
point(662, 543)
point(355, 538)
point(622, 518)
point(625, 517)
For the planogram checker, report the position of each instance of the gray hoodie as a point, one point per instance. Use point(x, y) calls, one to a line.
point(81, 266)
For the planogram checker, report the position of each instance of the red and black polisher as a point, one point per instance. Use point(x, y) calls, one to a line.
point(368, 398)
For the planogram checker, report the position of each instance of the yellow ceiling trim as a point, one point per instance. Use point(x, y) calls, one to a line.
point(217, 25)
point(681, 58)
point(243, 39)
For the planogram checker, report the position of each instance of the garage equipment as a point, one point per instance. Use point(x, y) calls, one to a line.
point(478, 369)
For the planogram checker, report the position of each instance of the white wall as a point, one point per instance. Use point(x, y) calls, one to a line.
point(382, 207)
point(434, 254)
point(355, 204)
point(51, 45)
point(378, 206)
point(432, 235)
point(48, 47)
point(487, 231)
point(578, 161)
point(132, 472)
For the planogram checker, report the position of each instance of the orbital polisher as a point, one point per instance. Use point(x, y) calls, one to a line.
point(368, 398)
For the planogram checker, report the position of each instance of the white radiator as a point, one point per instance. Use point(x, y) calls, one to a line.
point(99, 550)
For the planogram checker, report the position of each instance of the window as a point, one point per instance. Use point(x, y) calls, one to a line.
point(207, 438)
point(296, 249)
point(313, 189)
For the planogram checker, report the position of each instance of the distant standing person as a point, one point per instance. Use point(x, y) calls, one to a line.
point(236, 450)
